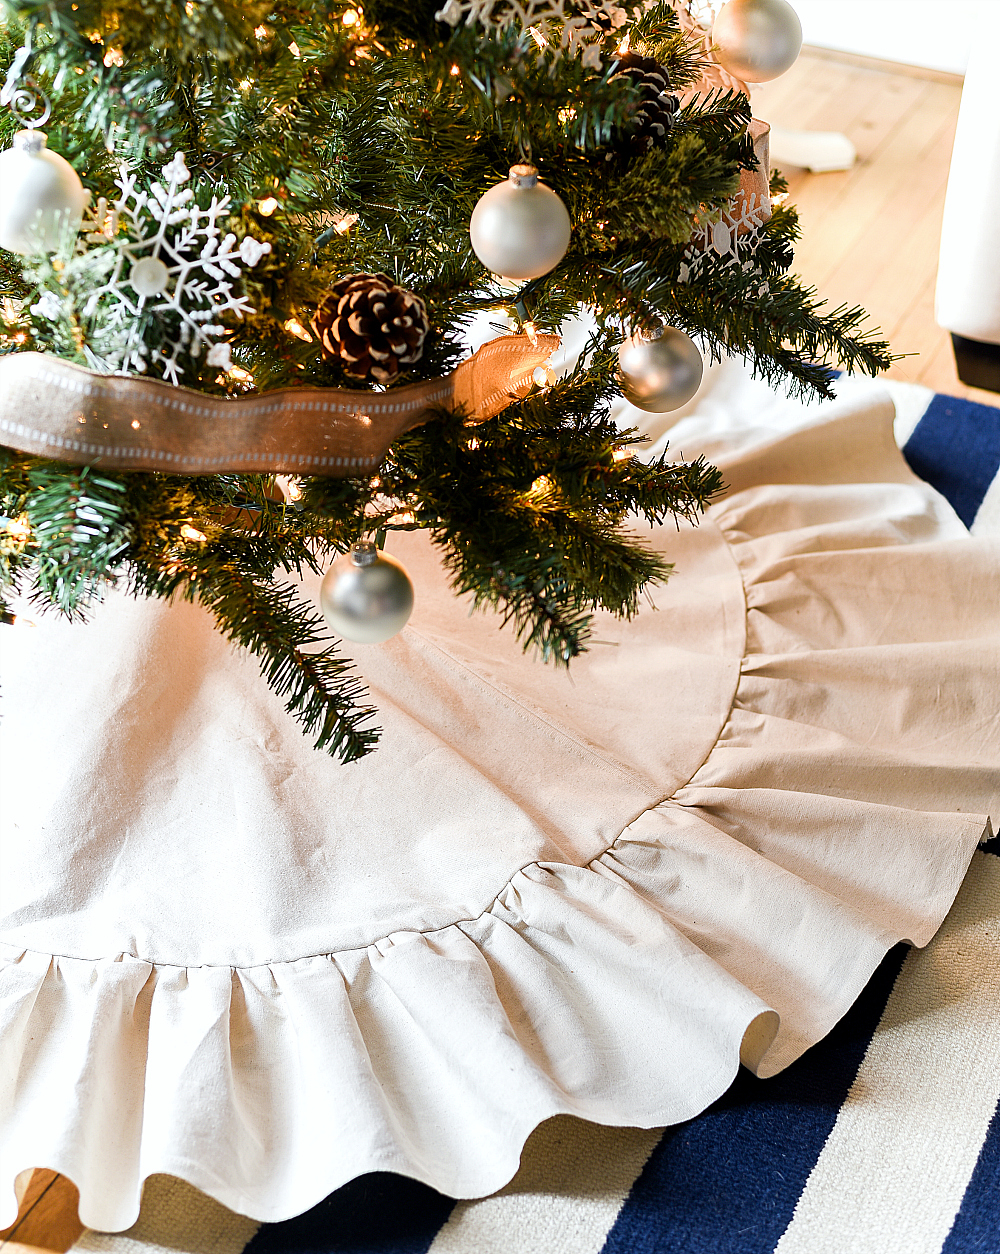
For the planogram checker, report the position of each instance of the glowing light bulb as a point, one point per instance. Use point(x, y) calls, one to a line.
point(267, 206)
point(296, 328)
point(290, 487)
point(18, 529)
point(192, 533)
point(351, 17)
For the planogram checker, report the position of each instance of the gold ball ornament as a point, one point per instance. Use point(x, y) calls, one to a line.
point(520, 228)
point(366, 596)
point(756, 40)
point(41, 195)
point(660, 372)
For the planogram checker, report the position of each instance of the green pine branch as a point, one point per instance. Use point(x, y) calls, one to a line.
point(320, 688)
point(364, 147)
point(79, 533)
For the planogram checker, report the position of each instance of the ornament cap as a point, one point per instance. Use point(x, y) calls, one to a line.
point(29, 141)
point(523, 175)
point(364, 553)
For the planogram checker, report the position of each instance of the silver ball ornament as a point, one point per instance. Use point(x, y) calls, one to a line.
point(520, 228)
point(41, 195)
point(366, 596)
point(756, 40)
point(660, 372)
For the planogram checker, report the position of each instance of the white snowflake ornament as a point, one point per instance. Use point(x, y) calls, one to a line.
point(48, 306)
point(172, 259)
point(574, 27)
point(220, 355)
point(733, 238)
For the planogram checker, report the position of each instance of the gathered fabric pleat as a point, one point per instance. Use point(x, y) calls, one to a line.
point(229, 959)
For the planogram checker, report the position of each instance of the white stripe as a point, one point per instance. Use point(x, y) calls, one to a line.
point(911, 401)
point(175, 1216)
point(987, 520)
point(892, 1174)
point(573, 1180)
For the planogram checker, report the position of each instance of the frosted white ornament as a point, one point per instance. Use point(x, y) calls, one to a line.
point(659, 372)
point(520, 228)
point(41, 195)
point(366, 596)
point(756, 40)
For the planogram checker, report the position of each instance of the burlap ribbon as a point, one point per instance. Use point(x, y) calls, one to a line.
point(52, 408)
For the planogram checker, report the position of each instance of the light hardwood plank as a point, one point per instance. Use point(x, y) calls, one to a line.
point(894, 259)
point(871, 234)
point(835, 218)
point(879, 63)
point(794, 82)
point(47, 1220)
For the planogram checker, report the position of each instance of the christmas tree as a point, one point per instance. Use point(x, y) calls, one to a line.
point(280, 197)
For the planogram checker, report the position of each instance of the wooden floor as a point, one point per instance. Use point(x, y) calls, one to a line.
point(870, 235)
point(47, 1221)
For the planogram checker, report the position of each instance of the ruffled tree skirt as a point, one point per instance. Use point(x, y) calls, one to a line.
point(233, 960)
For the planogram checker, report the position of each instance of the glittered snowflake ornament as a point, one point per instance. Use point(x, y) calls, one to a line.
point(173, 268)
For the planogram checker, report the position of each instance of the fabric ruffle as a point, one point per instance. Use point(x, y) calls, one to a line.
point(737, 908)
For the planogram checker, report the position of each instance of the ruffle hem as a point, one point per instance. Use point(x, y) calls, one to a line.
point(765, 811)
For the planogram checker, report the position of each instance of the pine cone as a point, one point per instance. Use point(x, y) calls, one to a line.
point(655, 115)
point(606, 20)
point(604, 16)
point(371, 326)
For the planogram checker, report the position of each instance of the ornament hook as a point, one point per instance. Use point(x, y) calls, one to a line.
point(24, 100)
point(21, 93)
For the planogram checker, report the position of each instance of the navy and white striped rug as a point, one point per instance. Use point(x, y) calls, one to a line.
point(882, 1139)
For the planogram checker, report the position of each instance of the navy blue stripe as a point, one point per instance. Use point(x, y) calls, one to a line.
point(379, 1213)
point(955, 447)
point(727, 1182)
point(977, 1225)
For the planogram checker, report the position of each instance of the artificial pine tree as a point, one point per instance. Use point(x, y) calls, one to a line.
point(322, 142)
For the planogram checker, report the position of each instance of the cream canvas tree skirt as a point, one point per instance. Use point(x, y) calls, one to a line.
point(235, 961)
